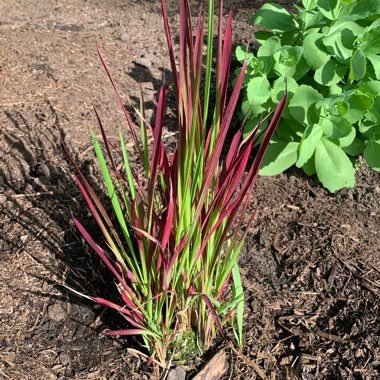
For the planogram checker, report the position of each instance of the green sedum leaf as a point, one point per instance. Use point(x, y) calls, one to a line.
point(357, 65)
point(359, 105)
point(371, 88)
point(278, 91)
point(331, 91)
point(360, 9)
point(310, 19)
point(329, 8)
point(371, 45)
point(314, 52)
point(338, 128)
point(279, 86)
point(374, 25)
point(332, 106)
point(355, 148)
point(308, 144)
point(309, 167)
point(334, 169)
point(373, 114)
point(275, 18)
point(340, 25)
point(300, 105)
point(278, 157)
point(289, 130)
point(370, 129)
point(241, 54)
point(290, 63)
point(266, 51)
point(286, 60)
point(290, 38)
point(253, 111)
point(332, 72)
point(309, 4)
point(375, 60)
point(340, 44)
point(262, 35)
point(372, 154)
point(258, 91)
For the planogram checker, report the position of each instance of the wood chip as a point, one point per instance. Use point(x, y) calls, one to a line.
point(335, 338)
point(292, 207)
point(215, 368)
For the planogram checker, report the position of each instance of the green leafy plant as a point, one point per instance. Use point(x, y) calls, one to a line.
point(175, 233)
point(329, 53)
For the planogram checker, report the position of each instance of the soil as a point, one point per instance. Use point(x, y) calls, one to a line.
point(311, 264)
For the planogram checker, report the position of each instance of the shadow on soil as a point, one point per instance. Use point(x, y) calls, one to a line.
point(40, 197)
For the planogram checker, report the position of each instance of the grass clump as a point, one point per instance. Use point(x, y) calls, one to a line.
point(174, 235)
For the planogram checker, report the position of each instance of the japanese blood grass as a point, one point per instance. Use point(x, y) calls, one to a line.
point(174, 237)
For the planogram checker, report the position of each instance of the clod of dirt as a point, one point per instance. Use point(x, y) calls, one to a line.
point(56, 313)
point(178, 373)
point(124, 37)
point(64, 359)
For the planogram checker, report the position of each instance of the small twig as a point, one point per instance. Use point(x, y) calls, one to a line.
point(231, 365)
point(41, 193)
point(169, 365)
point(374, 267)
point(327, 336)
point(3, 374)
point(251, 363)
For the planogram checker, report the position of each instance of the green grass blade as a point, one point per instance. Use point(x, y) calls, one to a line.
point(144, 134)
point(114, 200)
point(238, 292)
point(128, 170)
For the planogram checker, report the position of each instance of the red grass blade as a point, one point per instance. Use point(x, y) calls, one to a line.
point(198, 40)
point(128, 332)
point(129, 316)
point(226, 61)
point(219, 54)
point(223, 286)
point(165, 168)
point(130, 124)
point(173, 259)
point(170, 45)
point(136, 223)
point(215, 155)
point(100, 252)
point(105, 139)
point(168, 219)
point(156, 152)
point(233, 149)
point(213, 312)
point(149, 236)
point(213, 229)
point(87, 188)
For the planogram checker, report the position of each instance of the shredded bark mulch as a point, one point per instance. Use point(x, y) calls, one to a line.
point(310, 267)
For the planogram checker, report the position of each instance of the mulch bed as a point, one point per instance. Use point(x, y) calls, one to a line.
point(310, 266)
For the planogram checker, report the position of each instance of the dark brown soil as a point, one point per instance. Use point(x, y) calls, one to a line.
point(311, 265)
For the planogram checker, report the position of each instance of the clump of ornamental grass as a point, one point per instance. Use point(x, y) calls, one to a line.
point(174, 236)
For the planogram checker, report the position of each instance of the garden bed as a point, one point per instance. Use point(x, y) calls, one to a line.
point(310, 266)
